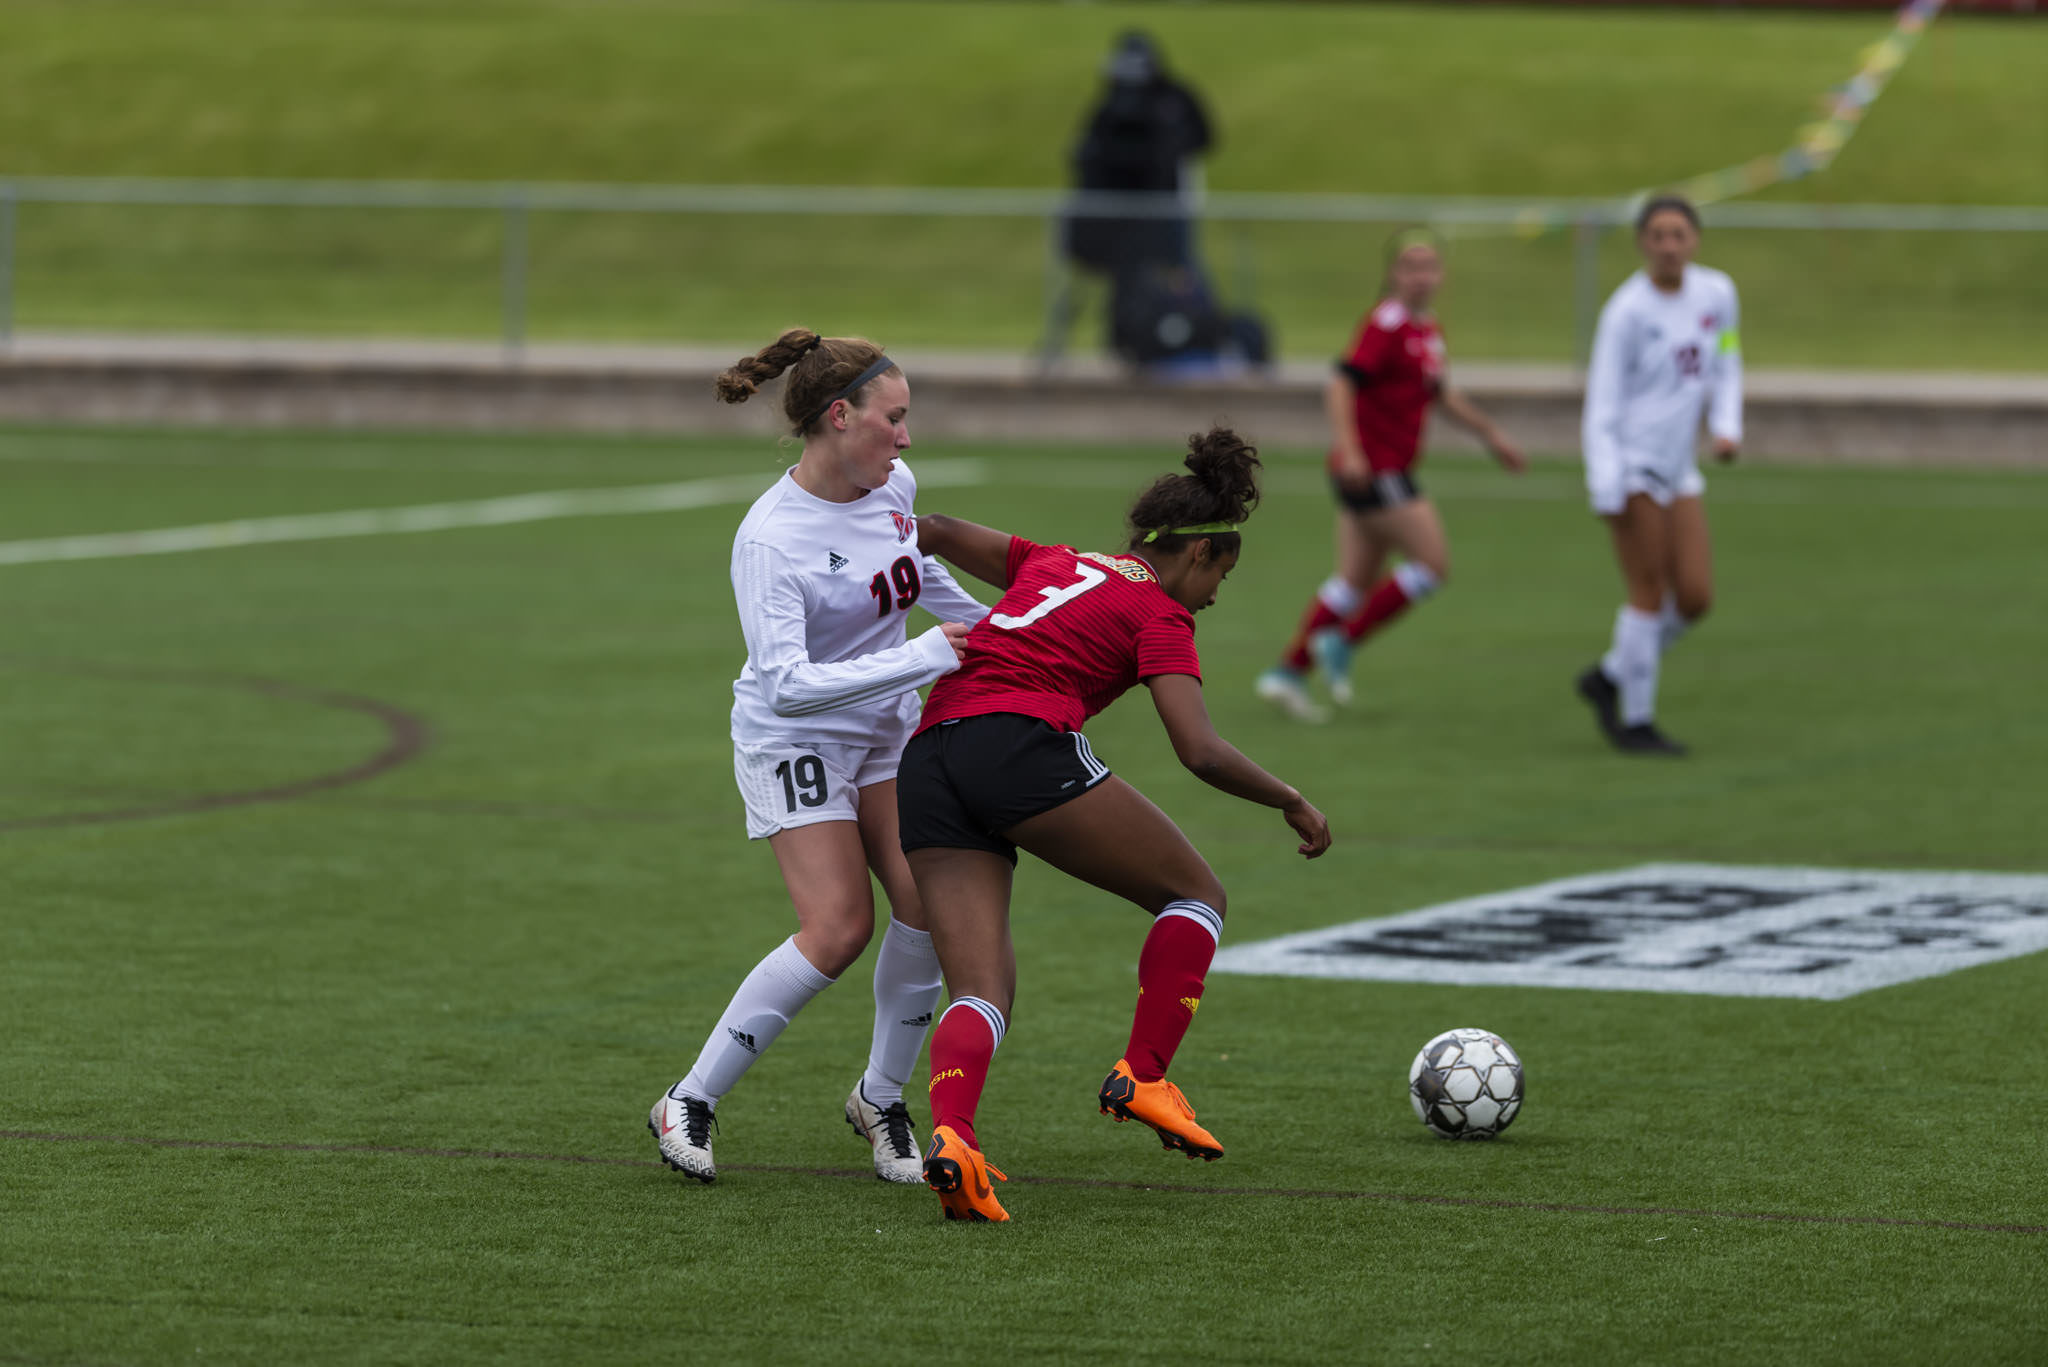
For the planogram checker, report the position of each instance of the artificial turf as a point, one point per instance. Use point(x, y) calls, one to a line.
point(1434, 100)
point(360, 1076)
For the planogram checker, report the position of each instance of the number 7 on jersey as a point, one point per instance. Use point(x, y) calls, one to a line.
point(1054, 596)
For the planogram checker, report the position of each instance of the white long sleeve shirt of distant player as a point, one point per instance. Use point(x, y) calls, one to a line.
point(824, 591)
point(1657, 361)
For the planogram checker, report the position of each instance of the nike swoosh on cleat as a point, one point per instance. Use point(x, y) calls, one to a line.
point(981, 1187)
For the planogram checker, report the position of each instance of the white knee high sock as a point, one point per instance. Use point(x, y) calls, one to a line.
point(772, 994)
point(907, 987)
point(1670, 626)
point(1632, 664)
point(1338, 596)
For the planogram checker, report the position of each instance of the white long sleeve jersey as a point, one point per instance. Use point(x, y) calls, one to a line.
point(1658, 359)
point(824, 591)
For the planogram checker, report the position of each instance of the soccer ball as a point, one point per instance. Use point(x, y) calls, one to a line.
point(1466, 1084)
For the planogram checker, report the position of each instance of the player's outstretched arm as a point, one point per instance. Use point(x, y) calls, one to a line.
point(982, 552)
point(1340, 399)
point(945, 599)
point(793, 684)
point(1724, 411)
point(1218, 763)
point(1473, 419)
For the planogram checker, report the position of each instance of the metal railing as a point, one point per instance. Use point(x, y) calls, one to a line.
point(516, 203)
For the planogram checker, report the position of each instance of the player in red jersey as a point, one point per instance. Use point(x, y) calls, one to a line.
point(1377, 403)
point(999, 762)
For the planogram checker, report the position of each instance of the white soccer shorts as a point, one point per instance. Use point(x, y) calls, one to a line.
point(1609, 490)
point(790, 784)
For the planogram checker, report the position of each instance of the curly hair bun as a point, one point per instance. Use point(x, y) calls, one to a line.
point(1222, 485)
point(1228, 467)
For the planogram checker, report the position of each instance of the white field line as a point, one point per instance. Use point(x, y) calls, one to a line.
point(432, 517)
point(98, 449)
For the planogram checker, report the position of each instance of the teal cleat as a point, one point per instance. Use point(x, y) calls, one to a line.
point(1332, 651)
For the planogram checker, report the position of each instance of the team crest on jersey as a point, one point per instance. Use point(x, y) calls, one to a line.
point(1709, 321)
point(905, 525)
point(1137, 571)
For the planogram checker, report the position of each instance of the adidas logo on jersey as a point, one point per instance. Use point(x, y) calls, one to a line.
point(743, 1039)
point(836, 562)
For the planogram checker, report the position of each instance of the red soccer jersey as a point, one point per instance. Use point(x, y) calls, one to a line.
point(1397, 362)
point(1073, 631)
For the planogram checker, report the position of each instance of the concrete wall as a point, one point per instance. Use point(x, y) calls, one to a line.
point(1829, 416)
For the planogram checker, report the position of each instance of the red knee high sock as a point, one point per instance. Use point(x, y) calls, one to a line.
point(1387, 601)
point(963, 1044)
point(1318, 616)
point(1170, 972)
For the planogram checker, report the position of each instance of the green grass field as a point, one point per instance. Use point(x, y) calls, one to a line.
point(359, 1075)
point(1498, 101)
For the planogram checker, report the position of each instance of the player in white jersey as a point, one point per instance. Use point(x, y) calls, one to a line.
point(825, 570)
point(1668, 348)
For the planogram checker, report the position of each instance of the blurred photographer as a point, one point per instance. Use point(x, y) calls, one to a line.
point(1142, 136)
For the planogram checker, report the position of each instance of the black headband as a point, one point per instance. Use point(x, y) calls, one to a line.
point(880, 365)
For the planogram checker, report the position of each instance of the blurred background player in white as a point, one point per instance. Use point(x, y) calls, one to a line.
point(1378, 404)
point(1667, 347)
point(825, 569)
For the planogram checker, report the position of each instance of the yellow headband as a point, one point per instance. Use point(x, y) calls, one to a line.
point(1158, 532)
point(1414, 237)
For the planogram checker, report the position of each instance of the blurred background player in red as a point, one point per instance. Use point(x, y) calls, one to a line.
point(999, 762)
point(1377, 403)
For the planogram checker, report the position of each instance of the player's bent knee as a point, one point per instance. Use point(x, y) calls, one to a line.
point(834, 941)
point(1695, 605)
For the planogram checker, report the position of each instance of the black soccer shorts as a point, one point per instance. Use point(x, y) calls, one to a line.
point(962, 783)
point(1388, 489)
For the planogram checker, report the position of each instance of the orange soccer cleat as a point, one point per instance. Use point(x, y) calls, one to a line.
point(959, 1174)
point(1160, 1105)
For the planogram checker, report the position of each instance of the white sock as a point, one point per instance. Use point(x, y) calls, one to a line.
point(907, 987)
point(1416, 580)
point(1670, 626)
point(1632, 664)
point(772, 994)
point(1339, 597)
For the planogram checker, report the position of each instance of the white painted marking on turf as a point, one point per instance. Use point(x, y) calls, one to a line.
point(405, 457)
point(1717, 929)
point(433, 517)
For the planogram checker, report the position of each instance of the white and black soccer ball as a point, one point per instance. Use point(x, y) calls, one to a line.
point(1466, 1084)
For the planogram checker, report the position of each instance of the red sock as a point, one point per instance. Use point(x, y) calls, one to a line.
point(1387, 601)
point(1170, 972)
point(963, 1044)
point(1314, 620)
